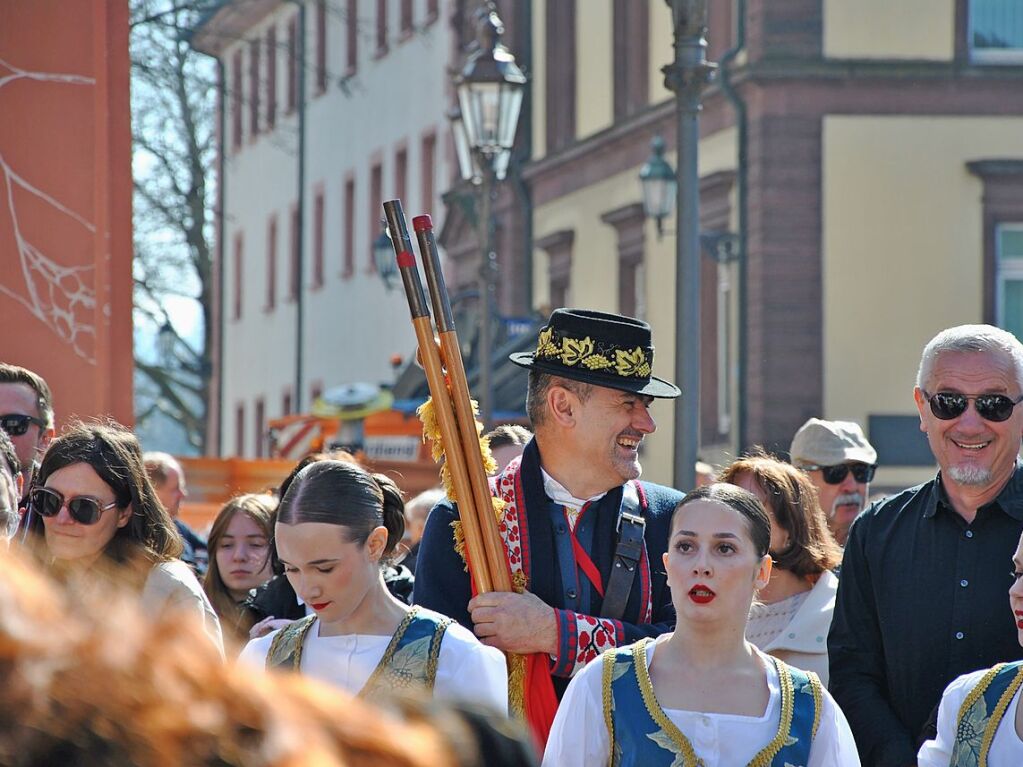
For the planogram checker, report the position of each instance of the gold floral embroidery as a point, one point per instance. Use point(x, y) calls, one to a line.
point(545, 346)
point(596, 362)
point(574, 351)
point(632, 364)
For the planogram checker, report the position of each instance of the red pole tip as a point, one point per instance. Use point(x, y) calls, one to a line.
point(422, 223)
point(405, 259)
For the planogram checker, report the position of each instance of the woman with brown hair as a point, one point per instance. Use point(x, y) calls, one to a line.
point(337, 525)
point(239, 546)
point(792, 614)
point(95, 512)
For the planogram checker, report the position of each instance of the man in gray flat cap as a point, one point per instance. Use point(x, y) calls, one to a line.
point(841, 463)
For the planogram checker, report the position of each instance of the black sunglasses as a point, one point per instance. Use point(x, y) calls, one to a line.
point(835, 475)
point(947, 405)
point(16, 424)
point(84, 509)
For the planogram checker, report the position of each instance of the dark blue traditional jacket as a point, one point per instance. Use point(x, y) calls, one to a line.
point(539, 541)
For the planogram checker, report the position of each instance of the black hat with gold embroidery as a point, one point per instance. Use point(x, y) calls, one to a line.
point(598, 348)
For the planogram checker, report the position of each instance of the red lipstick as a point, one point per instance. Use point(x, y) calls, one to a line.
point(318, 606)
point(1019, 618)
point(701, 594)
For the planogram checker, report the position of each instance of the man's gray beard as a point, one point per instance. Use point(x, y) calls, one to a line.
point(847, 498)
point(969, 475)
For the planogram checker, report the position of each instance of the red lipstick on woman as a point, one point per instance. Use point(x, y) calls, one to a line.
point(701, 594)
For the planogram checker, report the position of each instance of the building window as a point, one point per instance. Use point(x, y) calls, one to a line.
point(271, 264)
point(381, 27)
point(348, 238)
point(238, 274)
point(253, 89)
point(239, 429)
point(259, 426)
point(376, 193)
point(292, 63)
point(321, 46)
point(401, 174)
point(286, 405)
point(352, 37)
point(236, 100)
point(406, 18)
point(629, 223)
point(560, 93)
point(1002, 216)
point(432, 10)
point(315, 391)
point(996, 31)
point(295, 255)
point(631, 58)
point(1009, 287)
point(558, 247)
point(318, 241)
point(271, 77)
point(428, 170)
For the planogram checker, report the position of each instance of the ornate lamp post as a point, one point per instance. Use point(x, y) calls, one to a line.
point(383, 257)
point(687, 76)
point(490, 89)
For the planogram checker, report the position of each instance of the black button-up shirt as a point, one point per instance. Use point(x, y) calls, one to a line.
point(922, 599)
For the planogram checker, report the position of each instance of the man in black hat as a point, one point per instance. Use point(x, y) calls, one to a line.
point(583, 536)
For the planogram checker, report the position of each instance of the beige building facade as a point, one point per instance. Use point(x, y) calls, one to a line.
point(870, 166)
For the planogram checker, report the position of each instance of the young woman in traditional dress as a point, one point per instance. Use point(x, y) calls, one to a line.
point(792, 614)
point(980, 720)
point(703, 695)
point(336, 525)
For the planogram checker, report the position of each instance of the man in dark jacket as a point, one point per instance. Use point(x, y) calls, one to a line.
point(582, 536)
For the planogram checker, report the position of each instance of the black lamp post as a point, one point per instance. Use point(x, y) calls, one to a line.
point(687, 76)
point(490, 89)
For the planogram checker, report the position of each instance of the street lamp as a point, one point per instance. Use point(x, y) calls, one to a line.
point(490, 89)
point(659, 185)
point(383, 257)
point(687, 76)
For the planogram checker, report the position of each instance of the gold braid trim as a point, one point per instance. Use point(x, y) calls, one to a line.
point(646, 688)
point(434, 660)
point(392, 646)
point(766, 756)
point(606, 677)
point(977, 691)
point(818, 700)
point(999, 712)
point(289, 641)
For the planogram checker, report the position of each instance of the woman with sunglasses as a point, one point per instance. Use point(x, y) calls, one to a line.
point(239, 546)
point(980, 719)
point(337, 525)
point(792, 614)
point(97, 514)
point(703, 695)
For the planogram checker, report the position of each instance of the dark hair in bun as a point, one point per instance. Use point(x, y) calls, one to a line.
point(345, 494)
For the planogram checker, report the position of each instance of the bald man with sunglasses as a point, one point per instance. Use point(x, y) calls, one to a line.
point(922, 595)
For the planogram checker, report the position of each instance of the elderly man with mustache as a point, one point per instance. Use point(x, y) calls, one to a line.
point(840, 463)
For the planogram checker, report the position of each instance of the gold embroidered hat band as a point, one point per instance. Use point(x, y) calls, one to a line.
point(597, 348)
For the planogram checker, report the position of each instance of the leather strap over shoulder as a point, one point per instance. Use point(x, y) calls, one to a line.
point(627, 556)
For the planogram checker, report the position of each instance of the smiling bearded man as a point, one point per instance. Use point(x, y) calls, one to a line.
point(921, 598)
point(580, 531)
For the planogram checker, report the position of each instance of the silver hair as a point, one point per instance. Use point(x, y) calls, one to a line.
point(424, 502)
point(970, 338)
